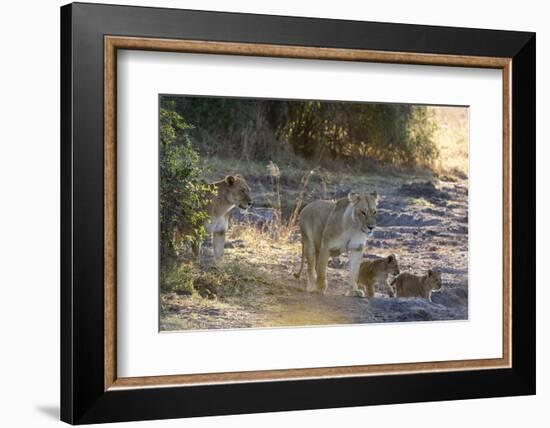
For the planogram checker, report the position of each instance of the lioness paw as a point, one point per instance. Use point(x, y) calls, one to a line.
point(355, 293)
point(322, 286)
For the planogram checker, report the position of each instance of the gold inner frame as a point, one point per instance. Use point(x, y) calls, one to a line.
point(113, 43)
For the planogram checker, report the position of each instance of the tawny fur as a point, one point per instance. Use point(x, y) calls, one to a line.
point(232, 191)
point(409, 285)
point(375, 274)
point(330, 228)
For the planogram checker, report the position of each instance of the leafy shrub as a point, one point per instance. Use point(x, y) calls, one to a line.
point(183, 196)
point(177, 279)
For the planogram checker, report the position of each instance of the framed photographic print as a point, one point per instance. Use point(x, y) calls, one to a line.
point(265, 213)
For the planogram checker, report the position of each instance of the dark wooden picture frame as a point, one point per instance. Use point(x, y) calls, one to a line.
point(90, 389)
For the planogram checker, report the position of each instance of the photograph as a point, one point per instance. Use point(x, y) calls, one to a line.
point(296, 213)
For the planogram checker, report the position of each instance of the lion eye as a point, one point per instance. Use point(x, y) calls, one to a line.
point(364, 213)
point(374, 212)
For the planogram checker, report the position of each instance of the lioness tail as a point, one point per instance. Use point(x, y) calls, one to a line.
point(299, 273)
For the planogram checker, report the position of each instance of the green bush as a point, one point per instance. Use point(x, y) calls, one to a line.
point(183, 196)
point(177, 279)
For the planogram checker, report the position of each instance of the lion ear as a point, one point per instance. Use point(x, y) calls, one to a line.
point(374, 195)
point(430, 272)
point(230, 180)
point(391, 258)
point(353, 197)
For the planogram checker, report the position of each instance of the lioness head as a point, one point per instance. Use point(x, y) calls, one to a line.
point(238, 191)
point(364, 210)
point(393, 266)
point(434, 279)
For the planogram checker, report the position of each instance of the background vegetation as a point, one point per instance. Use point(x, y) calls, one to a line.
point(399, 134)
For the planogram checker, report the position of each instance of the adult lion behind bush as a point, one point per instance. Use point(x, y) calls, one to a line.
point(232, 191)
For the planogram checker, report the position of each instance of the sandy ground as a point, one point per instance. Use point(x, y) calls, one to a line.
point(424, 222)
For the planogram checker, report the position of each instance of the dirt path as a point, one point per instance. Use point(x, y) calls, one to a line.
point(425, 224)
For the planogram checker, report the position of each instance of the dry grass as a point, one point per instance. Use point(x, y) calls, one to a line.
point(452, 139)
point(248, 263)
point(261, 243)
point(229, 294)
point(218, 167)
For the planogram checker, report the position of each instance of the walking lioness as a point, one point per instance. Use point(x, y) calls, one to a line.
point(330, 228)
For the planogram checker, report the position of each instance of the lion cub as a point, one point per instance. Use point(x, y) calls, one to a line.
point(409, 285)
point(376, 272)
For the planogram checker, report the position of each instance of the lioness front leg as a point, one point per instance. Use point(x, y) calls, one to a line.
point(218, 242)
point(322, 263)
point(354, 264)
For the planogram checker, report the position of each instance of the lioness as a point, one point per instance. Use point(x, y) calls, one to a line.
point(409, 285)
point(230, 192)
point(330, 228)
point(376, 272)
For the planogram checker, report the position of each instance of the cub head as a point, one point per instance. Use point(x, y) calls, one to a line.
point(434, 279)
point(392, 265)
point(238, 191)
point(364, 210)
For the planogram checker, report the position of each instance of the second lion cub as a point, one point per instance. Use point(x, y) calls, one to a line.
point(409, 285)
point(376, 272)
